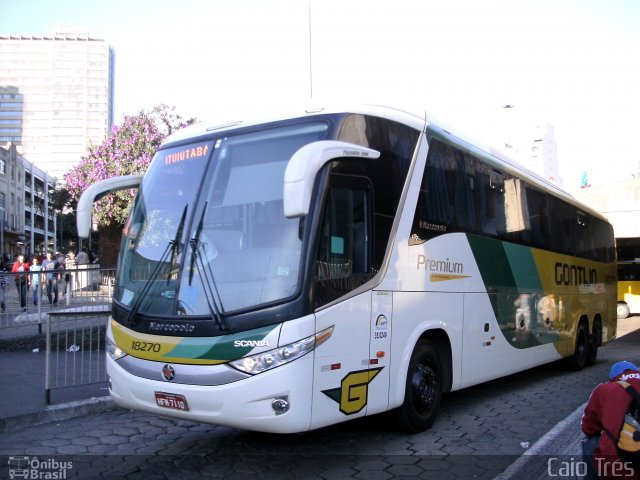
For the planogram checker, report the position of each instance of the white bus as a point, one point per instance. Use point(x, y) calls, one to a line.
point(286, 275)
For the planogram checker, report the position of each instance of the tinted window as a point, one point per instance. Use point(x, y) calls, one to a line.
point(361, 205)
point(460, 192)
point(491, 201)
point(538, 217)
point(447, 200)
point(387, 174)
point(343, 260)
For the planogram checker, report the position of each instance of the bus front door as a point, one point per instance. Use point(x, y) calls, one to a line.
point(380, 351)
point(347, 380)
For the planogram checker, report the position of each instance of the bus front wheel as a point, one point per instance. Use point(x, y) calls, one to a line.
point(423, 389)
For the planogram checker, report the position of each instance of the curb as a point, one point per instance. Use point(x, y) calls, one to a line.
point(57, 413)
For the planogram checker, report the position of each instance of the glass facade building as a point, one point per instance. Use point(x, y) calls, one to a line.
point(56, 96)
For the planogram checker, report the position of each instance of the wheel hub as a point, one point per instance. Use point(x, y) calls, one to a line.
point(424, 386)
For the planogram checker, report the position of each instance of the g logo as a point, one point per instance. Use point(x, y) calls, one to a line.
point(353, 391)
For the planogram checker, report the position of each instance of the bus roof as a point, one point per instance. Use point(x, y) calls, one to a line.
point(409, 115)
point(413, 118)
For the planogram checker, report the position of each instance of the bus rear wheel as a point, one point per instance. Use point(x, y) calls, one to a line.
point(423, 389)
point(578, 360)
point(595, 339)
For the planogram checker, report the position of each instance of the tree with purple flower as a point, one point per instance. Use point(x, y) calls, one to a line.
point(127, 150)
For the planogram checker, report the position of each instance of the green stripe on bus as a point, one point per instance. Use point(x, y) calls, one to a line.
point(510, 276)
point(493, 263)
point(221, 348)
point(523, 268)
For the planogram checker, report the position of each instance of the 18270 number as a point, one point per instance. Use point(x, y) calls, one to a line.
point(145, 346)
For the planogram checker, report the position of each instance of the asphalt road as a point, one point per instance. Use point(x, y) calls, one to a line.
point(480, 432)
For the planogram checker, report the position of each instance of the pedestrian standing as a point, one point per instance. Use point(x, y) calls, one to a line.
point(60, 257)
point(3, 285)
point(22, 280)
point(83, 257)
point(70, 266)
point(36, 280)
point(50, 266)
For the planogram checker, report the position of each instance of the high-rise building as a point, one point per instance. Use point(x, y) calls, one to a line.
point(534, 145)
point(56, 96)
point(531, 143)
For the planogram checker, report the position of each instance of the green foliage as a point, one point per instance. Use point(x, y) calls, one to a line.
point(59, 198)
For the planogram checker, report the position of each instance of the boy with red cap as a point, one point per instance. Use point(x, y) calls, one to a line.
point(602, 420)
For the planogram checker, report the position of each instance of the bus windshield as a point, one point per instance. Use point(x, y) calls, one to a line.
point(207, 234)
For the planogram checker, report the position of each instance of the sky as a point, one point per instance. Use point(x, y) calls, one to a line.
point(572, 63)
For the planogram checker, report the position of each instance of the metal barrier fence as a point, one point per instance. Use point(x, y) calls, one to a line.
point(75, 349)
point(68, 312)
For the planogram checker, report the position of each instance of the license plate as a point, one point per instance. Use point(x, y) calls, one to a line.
point(171, 400)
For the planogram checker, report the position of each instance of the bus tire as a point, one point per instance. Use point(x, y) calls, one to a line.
point(594, 342)
point(578, 360)
point(623, 310)
point(423, 389)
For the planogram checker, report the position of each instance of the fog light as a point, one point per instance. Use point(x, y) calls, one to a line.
point(280, 405)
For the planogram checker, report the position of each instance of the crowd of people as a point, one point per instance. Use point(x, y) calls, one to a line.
point(54, 267)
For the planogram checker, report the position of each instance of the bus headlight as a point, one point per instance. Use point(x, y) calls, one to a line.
point(115, 352)
point(261, 362)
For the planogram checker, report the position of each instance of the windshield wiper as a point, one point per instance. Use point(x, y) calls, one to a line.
point(174, 244)
point(194, 242)
point(206, 275)
point(173, 248)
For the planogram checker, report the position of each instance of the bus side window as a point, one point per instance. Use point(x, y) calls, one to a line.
point(563, 226)
point(491, 201)
point(343, 260)
point(602, 234)
point(584, 242)
point(447, 199)
point(517, 226)
point(538, 217)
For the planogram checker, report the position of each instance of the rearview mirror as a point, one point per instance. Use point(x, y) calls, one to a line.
point(305, 164)
point(96, 192)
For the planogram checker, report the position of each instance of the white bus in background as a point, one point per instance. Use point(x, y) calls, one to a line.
point(290, 274)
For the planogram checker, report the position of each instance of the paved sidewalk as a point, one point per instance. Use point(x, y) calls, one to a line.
point(23, 375)
point(561, 446)
point(23, 402)
point(22, 357)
